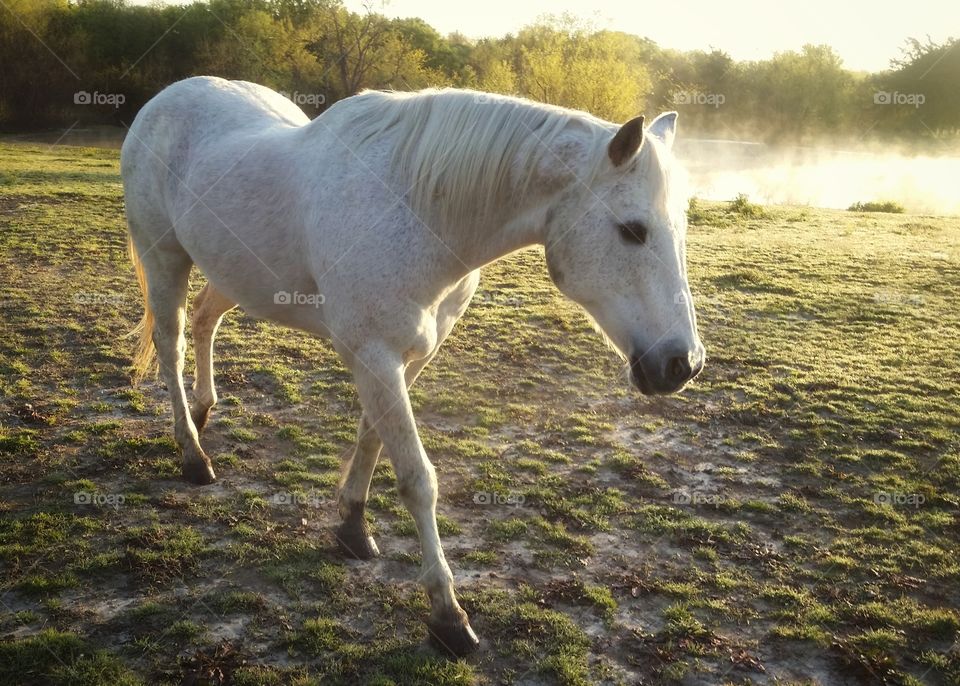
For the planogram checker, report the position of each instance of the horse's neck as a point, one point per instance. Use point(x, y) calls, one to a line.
point(486, 244)
point(475, 245)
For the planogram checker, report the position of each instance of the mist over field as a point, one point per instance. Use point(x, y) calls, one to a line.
point(827, 176)
point(830, 177)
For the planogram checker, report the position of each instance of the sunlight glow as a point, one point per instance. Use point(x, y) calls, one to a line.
point(867, 35)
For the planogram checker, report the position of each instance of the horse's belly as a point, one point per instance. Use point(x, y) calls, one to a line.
point(304, 317)
point(258, 266)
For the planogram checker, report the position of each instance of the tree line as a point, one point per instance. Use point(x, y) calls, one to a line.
point(100, 60)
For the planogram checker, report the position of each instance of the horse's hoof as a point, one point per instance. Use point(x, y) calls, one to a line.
point(355, 542)
point(455, 638)
point(200, 473)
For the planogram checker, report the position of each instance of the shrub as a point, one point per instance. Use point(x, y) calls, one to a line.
point(877, 206)
point(741, 205)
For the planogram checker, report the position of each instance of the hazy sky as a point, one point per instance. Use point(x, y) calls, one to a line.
point(865, 34)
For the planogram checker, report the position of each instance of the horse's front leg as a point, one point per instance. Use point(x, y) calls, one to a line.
point(379, 375)
point(353, 534)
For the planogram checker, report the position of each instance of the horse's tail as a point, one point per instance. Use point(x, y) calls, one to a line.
point(143, 359)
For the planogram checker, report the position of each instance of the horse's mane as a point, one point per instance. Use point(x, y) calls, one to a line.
point(465, 155)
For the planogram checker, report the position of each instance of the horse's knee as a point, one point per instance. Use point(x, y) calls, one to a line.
point(417, 488)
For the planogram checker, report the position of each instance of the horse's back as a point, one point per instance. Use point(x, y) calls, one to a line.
point(205, 105)
point(191, 119)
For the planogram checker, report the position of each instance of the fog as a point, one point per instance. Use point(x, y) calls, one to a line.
point(821, 177)
point(722, 169)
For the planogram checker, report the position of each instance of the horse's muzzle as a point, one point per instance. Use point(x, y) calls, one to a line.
point(662, 374)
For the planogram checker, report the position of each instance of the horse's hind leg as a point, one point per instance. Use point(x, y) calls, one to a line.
point(208, 309)
point(167, 270)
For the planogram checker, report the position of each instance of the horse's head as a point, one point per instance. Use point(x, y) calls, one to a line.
point(616, 244)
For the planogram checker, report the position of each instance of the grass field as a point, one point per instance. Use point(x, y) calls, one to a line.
point(791, 518)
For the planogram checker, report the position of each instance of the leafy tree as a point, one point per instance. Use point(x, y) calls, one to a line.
point(368, 52)
point(930, 71)
point(36, 83)
point(599, 71)
point(318, 51)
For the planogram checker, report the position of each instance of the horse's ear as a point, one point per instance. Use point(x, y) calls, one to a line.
point(626, 142)
point(664, 127)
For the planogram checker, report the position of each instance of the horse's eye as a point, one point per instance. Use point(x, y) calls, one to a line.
point(633, 232)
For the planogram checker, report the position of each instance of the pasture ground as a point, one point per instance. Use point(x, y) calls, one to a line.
point(791, 518)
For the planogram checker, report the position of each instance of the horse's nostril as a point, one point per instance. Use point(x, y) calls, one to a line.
point(678, 368)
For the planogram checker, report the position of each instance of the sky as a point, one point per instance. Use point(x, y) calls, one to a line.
point(866, 34)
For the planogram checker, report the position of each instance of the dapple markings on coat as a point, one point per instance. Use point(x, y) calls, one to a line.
point(369, 226)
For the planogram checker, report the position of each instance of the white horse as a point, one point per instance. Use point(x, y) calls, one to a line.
point(369, 226)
